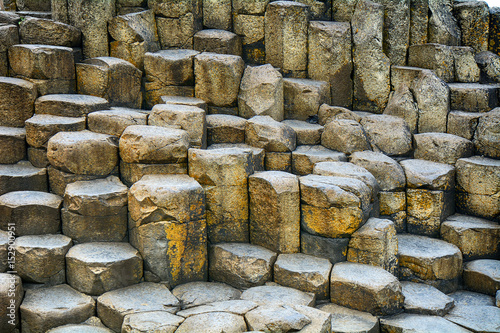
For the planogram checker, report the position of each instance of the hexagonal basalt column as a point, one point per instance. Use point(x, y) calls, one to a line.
point(167, 224)
point(95, 268)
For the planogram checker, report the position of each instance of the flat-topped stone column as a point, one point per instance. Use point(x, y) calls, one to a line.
point(167, 224)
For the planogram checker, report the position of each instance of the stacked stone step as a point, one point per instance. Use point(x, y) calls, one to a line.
point(134, 34)
point(249, 24)
point(168, 72)
point(168, 225)
point(146, 150)
point(177, 23)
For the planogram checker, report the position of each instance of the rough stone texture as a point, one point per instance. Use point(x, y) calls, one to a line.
point(487, 137)
point(151, 321)
point(12, 144)
point(473, 97)
point(276, 161)
point(276, 295)
point(348, 170)
point(345, 135)
point(34, 30)
point(477, 187)
point(407, 322)
point(330, 59)
point(473, 19)
point(111, 78)
point(9, 35)
point(250, 7)
point(274, 217)
point(286, 24)
point(433, 100)
point(46, 308)
point(218, 78)
point(463, 297)
point(69, 105)
point(11, 295)
point(489, 63)
point(392, 205)
point(217, 41)
point(261, 93)
point(41, 127)
point(428, 175)
point(170, 67)
point(189, 118)
point(114, 305)
point(349, 320)
point(134, 34)
point(88, 228)
point(303, 97)
point(31, 212)
point(83, 152)
point(251, 30)
point(431, 261)
point(482, 275)
point(424, 299)
point(304, 158)
point(131, 173)
point(177, 29)
point(404, 75)
point(58, 180)
point(426, 210)
point(213, 323)
point(44, 62)
point(402, 104)
point(115, 120)
point(388, 173)
point(95, 268)
point(173, 252)
point(264, 132)
point(334, 249)
point(164, 69)
point(476, 318)
point(217, 14)
point(376, 244)
point(180, 100)
point(325, 199)
point(397, 141)
point(16, 101)
point(439, 58)
point(222, 128)
point(236, 306)
point(327, 113)
point(463, 124)
point(257, 154)
point(307, 133)
point(94, 36)
point(396, 29)
point(223, 174)
point(22, 176)
point(303, 272)
point(371, 65)
point(280, 319)
point(441, 147)
point(443, 27)
point(194, 294)
point(241, 265)
point(477, 238)
point(40, 258)
point(466, 69)
point(365, 288)
point(167, 225)
point(153, 144)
